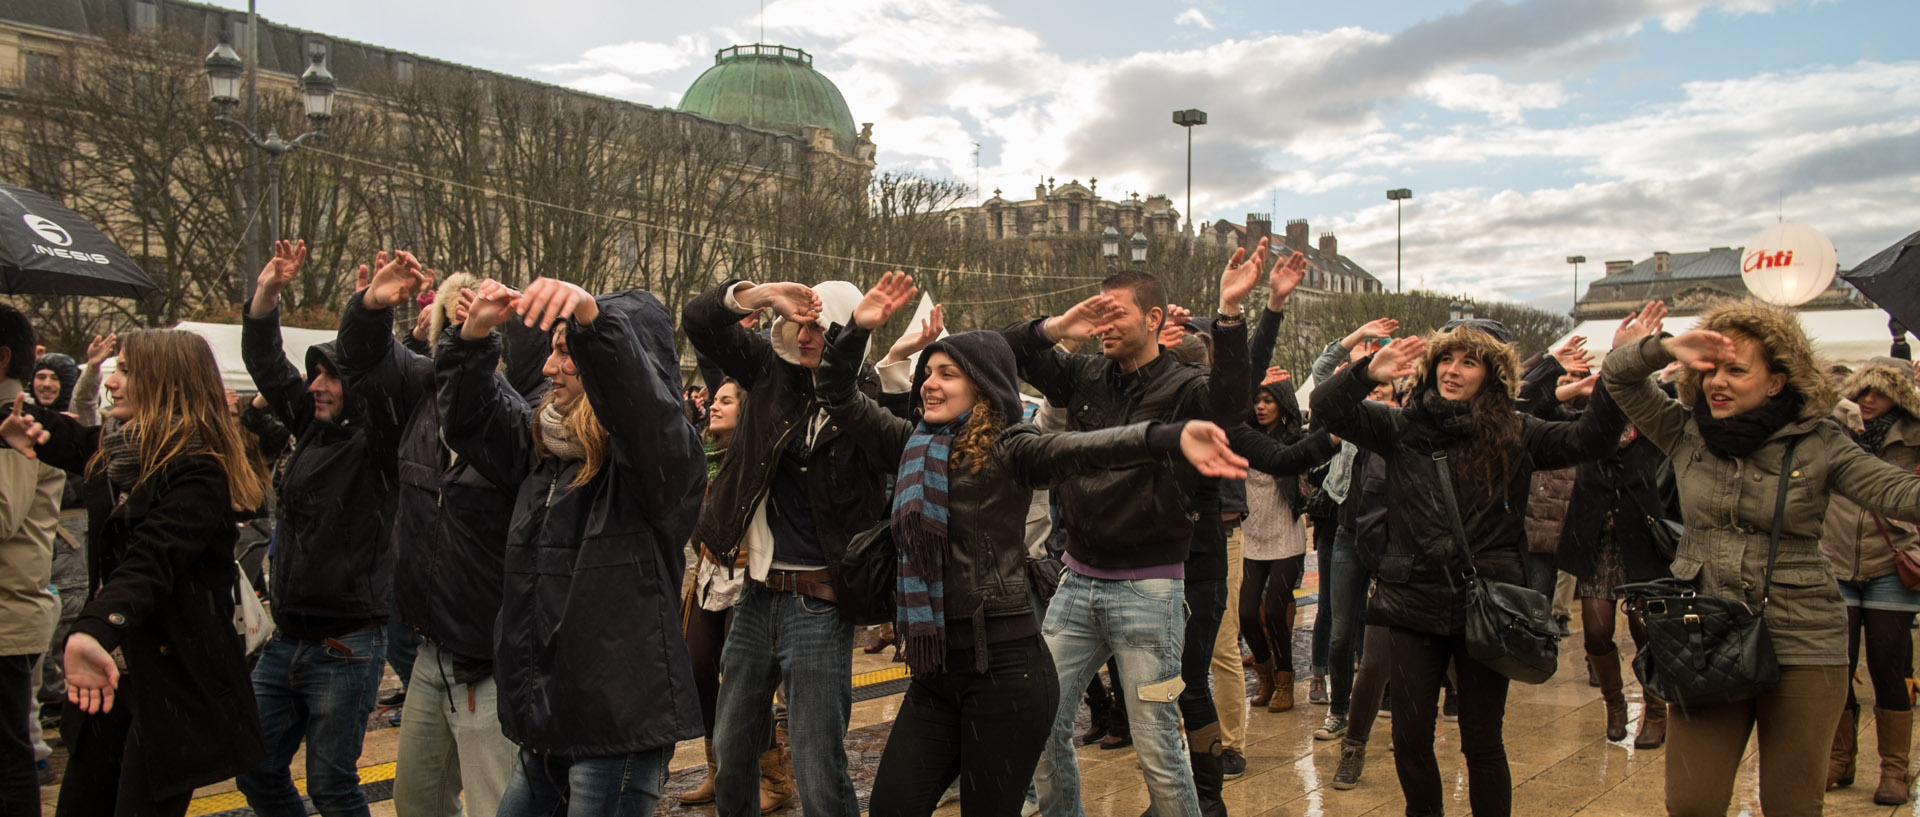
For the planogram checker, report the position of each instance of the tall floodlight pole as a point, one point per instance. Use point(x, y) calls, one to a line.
point(1576, 261)
point(1397, 195)
point(1187, 119)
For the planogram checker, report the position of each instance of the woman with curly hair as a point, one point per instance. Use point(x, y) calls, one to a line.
point(1750, 393)
point(1461, 416)
point(981, 703)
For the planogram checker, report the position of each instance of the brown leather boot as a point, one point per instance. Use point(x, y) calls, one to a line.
point(1607, 669)
point(1845, 743)
point(1282, 692)
point(703, 794)
point(1653, 722)
point(1263, 673)
point(776, 779)
point(1894, 731)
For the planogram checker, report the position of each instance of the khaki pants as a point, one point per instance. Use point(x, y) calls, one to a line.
point(1229, 679)
point(1796, 722)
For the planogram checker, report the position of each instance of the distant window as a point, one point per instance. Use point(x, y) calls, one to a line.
point(41, 71)
point(237, 31)
point(402, 69)
point(46, 169)
point(999, 224)
point(1073, 217)
point(146, 15)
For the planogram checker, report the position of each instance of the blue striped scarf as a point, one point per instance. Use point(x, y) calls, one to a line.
point(920, 533)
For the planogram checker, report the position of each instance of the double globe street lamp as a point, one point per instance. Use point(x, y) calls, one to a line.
point(224, 69)
point(1110, 248)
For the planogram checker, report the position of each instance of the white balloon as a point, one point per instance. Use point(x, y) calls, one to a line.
point(1788, 264)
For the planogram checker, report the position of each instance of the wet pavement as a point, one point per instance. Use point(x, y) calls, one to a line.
point(1562, 764)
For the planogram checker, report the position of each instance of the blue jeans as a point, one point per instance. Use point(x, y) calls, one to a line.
point(1142, 624)
point(616, 786)
point(799, 643)
point(1343, 599)
point(316, 691)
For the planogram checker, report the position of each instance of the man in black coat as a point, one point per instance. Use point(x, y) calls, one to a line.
point(331, 563)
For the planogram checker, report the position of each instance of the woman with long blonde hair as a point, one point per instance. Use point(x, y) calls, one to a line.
point(157, 684)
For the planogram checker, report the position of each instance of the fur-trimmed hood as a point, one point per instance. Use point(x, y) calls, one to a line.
point(446, 299)
point(1501, 361)
point(1888, 376)
point(1791, 352)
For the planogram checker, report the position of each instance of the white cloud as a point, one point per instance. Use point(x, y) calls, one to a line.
point(1193, 17)
point(619, 69)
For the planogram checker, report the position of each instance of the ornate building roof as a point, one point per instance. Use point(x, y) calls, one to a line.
point(772, 87)
point(1689, 282)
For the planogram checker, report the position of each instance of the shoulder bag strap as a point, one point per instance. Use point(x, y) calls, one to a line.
point(1779, 517)
point(1445, 469)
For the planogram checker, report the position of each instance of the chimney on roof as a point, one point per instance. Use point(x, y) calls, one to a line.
point(1297, 234)
point(1259, 225)
point(1617, 267)
point(1662, 262)
point(1329, 246)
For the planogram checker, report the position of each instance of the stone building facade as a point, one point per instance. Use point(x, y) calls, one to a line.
point(1689, 282)
point(1069, 209)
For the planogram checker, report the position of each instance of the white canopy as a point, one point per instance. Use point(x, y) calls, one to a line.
point(1847, 336)
point(225, 340)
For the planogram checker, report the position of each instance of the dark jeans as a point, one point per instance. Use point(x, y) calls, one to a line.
point(1543, 569)
point(1343, 600)
point(985, 729)
point(106, 766)
point(1266, 602)
point(1419, 666)
point(313, 690)
point(1323, 536)
point(799, 643)
point(1206, 603)
point(616, 786)
point(19, 785)
point(1370, 684)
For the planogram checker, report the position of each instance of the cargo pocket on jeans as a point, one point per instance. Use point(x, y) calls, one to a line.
point(1161, 692)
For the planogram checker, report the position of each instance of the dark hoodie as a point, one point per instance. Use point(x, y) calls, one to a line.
point(331, 555)
point(66, 369)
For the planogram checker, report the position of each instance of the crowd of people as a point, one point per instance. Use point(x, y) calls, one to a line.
point(573, 563)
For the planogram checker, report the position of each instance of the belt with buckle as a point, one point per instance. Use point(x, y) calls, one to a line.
point(811, 583)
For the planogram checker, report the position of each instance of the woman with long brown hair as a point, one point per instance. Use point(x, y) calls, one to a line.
point(160, 700)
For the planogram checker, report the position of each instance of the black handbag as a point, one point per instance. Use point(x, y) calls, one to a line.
point(1509, 627)
point(1707, 650)
point(869, 568)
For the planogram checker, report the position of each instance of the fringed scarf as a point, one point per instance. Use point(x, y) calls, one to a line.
point(1875, 434)
point(920, 534)
point(553, 434)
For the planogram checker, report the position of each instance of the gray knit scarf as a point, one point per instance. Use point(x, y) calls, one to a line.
point(553, 434)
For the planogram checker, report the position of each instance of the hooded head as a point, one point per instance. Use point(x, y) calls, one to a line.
point(969, 372)
point(1782, 346)
point(330, 400)
point(1884, 385)
point(1499, 367)
point(567, 426)
point(800, 344)
point(53, 377)
point(446, 299)
point(1286, 410)
point(1466, 389)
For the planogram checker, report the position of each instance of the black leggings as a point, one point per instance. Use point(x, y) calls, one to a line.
point(1419, 667)
point(1597, 622)
point(706, 635)
point(984, 729)
point(1889, 652)
point(1269, 634)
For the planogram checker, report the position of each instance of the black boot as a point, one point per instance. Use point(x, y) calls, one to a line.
point(1207, 779)
point(1099, 720)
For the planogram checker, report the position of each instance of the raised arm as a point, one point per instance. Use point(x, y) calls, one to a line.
point(86, 391)
point(1264, 453)
point(1340, 405)
point(390, 380)
point(481, 418)
point(1638, 352)
point(1036, 346)
point(262, 348)
point(1040, 460)
point(1562, 444)
point(880, 434)
point(713, 323)
point(1871, 482)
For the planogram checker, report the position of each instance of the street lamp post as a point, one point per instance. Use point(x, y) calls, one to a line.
point(1187, 119)
point(1397, 195)
point(1576, 261)
point(1139, 242)
point(224, 69)
point(1110, 247)
point(1455, 310)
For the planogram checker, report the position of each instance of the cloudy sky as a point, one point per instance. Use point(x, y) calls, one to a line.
point(1529, 130)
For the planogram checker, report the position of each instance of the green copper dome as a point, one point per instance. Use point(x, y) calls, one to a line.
point(771, 87)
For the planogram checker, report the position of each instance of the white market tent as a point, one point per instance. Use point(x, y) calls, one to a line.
point(1847, 336)
point(225, 340)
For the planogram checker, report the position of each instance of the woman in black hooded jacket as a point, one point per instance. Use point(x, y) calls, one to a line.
point(1460, 416)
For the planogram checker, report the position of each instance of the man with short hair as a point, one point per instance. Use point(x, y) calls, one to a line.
point(1130, 530)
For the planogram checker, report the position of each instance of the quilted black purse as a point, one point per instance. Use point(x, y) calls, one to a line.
point(1509, 627)
point(1707, 650)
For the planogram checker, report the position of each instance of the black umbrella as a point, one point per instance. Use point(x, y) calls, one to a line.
point(46, 249)
point(1892, 279)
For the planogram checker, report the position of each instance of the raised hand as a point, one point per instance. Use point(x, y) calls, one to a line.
point(1376, 328)
point(795, 302)
point(1397, 360)
point(1240, 276)
point(912, 342)
point(395, 281)
point(100, 349)
point(491, 306)
point(1205, 445)
point(893, 291)
point(364, 277)
point(1285, 278)
point(1086, 319)
point(20, 431)
point(1702, 350)
point(1578, 388)
point(1275, 374)
point(1172, 335)
point(92, 676)
point(1573, 355)
point(1647, 322)
point(550, 299)
point(288, 258)
point(1178, 315)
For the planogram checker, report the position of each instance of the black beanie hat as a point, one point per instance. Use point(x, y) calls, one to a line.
point(988, 361)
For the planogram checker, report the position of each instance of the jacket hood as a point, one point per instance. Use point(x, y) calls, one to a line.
point(1779, 332)
point(988, 362)
point(1889, 380)
point(523, 356)
point(837, 300)
point(446, 299)
point(329, 353)
point(1501, 362)
point(653, 326)
point(66, 369)
point(1291, 419)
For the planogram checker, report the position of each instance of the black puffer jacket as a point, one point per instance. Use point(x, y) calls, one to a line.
point(987, 591)
point(1419, 585)
point(589, 658)
point(850, 494)
point(1139, 516)
point(332, 552)
point(450, 526)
